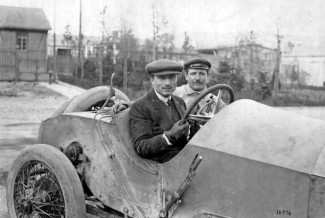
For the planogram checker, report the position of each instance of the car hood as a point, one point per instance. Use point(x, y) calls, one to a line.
point(270, 135)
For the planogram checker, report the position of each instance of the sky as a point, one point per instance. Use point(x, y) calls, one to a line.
point(208, 23)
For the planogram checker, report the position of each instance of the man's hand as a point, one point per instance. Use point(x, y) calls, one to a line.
point(177, 131)
point(121, 106)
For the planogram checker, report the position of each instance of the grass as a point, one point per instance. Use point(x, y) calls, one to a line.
point(16, 89)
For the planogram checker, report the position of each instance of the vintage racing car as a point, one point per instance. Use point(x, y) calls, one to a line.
point(250, 161)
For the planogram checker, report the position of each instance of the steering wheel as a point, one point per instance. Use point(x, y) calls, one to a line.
point(202, 95)
point(211, 106)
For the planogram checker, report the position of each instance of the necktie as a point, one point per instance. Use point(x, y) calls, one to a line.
point(170, 103)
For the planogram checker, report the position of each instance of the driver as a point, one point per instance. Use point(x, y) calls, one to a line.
point(197, 76)
point(155, 118)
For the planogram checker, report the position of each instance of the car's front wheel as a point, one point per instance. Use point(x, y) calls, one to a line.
point(42, 182)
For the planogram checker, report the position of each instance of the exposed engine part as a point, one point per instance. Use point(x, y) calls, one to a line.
point(73, 152)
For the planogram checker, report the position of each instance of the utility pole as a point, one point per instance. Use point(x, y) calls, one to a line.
point(277, 68)
point(54, 47)
point(155, 31)
point(125, 63)
point(251, 55)
point(79, 41)
point(234, 55)
point(101, 51)
point(102, 46)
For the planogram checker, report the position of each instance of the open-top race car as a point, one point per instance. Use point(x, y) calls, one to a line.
point(250, 161)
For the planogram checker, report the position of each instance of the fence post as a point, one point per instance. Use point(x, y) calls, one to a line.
point(16, 67)
point(36, 73)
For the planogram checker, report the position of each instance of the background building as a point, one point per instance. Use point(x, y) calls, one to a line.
point(248, 59)
point(301, 66)
point(23, 44)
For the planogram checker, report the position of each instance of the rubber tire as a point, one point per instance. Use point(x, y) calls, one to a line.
point(62, 108)
point(63, 170)
point(92, 96)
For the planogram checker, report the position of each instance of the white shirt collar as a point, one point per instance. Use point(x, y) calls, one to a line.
point(162, 98)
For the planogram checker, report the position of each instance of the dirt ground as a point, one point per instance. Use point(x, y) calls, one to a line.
point(22, 108)
point(27, 102)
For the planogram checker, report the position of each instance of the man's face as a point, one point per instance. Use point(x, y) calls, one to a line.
point(165, 84)
point(197, 79)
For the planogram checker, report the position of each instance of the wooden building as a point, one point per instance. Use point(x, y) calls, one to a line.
point(23, 44)
point(251, 59)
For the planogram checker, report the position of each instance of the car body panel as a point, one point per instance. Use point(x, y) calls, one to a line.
point(258, 161)
point(109, 173)
point(259, 132)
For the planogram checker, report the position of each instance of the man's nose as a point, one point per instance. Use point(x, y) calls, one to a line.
point(197, 76)
point(168, 81)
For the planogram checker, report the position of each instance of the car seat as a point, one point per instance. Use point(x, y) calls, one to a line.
point(123, 124)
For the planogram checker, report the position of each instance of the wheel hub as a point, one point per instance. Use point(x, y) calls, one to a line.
point(26, 206)
point(37, 192)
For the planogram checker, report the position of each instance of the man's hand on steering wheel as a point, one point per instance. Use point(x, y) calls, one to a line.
point(202, 95)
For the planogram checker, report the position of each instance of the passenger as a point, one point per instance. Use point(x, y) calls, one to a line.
point(155, 118)
point(197, 76)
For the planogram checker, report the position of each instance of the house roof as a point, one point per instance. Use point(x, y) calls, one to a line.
point(23, 18)
point(225, 48)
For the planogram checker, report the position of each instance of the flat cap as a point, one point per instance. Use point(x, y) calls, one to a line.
point(163, 67)
point(197, 63)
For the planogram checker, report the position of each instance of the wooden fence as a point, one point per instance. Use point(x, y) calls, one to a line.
point(23, 66)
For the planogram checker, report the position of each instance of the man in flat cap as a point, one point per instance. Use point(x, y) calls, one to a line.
point(154, 118)
point(197, 76)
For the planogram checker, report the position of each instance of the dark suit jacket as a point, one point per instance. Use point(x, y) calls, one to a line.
point(148, 120)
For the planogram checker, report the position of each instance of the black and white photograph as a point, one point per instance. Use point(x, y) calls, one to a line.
point(162, 109)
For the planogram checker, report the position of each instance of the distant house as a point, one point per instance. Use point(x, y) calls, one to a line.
point(303, 66)
point(249, 58)
point(23, 43)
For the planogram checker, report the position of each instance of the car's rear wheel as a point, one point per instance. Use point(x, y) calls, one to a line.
point(43, 183)
point(93, 99)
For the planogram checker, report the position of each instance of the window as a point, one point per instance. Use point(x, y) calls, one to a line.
point(21, 41)
point(64, 52)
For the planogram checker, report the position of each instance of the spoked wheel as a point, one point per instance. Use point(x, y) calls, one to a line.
point(37, 192)
point(43, 183)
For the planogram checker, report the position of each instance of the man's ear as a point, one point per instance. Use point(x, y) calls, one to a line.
point(185, 75)
point(208, 77)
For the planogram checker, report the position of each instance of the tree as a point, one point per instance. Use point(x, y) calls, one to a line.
point(70, 42)
point(128, 47)
point(224, 67)
point(227, 76)
point(104, 28)
point(263, 89)
point(187, 47)
point(147, 47)
point(166, 43)
point(159, 25)
point(67, 37)
point(247, 39)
